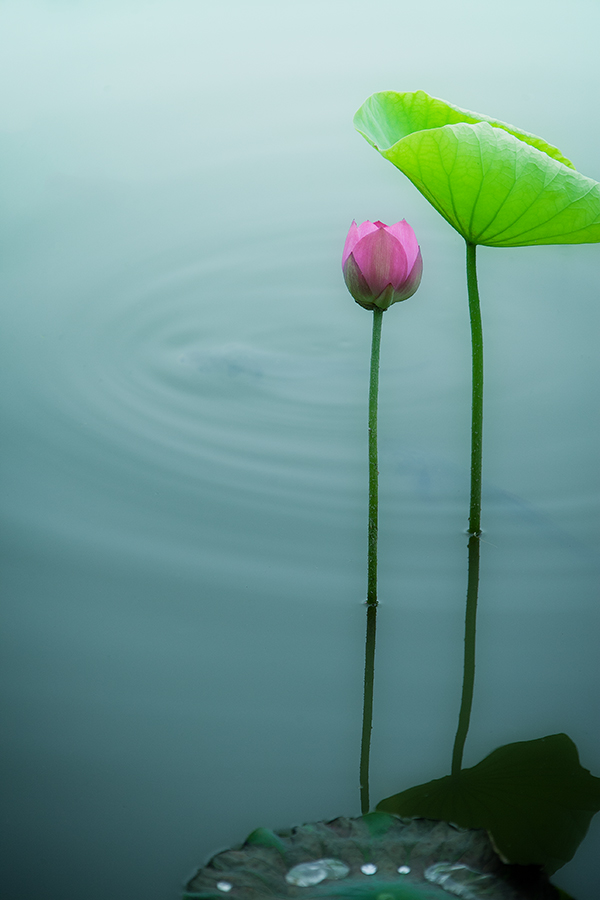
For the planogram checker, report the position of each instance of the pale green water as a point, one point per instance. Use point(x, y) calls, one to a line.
point(184, 403)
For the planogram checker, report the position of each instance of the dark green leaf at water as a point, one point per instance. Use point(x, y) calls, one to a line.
point(495, 184)
point(533, 797)
point(375, 857)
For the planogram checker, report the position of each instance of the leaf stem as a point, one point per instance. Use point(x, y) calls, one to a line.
point(367, 722)
point(474, 512)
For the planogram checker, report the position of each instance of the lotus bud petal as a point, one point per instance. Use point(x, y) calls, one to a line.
point(381, 264)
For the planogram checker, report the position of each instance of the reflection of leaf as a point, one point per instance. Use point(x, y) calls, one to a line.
point(497, 185)
point(533, 797)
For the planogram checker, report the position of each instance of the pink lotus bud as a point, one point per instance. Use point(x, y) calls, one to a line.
point(382, 264)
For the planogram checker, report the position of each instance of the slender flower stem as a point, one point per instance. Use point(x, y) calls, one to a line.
point(474, 512)
point(373, 470)
point(367, 723)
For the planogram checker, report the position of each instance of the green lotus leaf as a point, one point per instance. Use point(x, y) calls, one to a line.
point(495, 184)
point(404, 859)
point(533, 797)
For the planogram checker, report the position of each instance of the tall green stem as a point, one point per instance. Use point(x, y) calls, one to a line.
point(477, 392)
point(367, 723)
point(474, 512)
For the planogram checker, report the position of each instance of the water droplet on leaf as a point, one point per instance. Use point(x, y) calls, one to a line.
point(368, 869)
point(309, 873)
point(458, 879)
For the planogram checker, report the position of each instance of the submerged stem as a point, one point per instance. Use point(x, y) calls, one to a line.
point(464, 717)
point(365, 745)
point(474, 511)
point(367, 723)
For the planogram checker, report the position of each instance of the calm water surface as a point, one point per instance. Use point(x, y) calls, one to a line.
point(184, 404)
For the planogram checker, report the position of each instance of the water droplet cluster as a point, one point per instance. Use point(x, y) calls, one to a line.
point(310, 873)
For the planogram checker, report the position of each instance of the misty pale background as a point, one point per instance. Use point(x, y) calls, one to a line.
point(184, 388)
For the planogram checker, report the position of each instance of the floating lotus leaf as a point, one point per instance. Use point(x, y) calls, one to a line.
point(375, 857)
point(533, 797)
point(495, 184)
